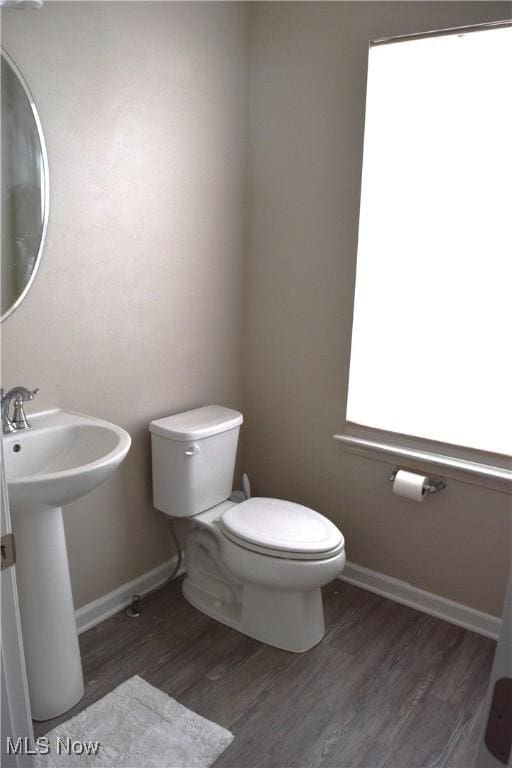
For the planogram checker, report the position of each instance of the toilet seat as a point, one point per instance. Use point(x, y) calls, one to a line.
point(281, 529)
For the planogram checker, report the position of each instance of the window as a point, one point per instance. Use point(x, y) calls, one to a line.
point(431, 349)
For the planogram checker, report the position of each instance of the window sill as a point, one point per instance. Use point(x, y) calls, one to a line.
point(464, 470)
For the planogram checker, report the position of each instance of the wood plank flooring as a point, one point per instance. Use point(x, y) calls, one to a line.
point(388, 687)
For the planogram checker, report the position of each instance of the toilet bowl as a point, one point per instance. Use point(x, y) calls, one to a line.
point(258, 565)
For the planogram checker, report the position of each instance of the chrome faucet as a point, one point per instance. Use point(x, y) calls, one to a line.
point(19, 421)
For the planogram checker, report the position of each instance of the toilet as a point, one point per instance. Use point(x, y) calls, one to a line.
point(257, 564)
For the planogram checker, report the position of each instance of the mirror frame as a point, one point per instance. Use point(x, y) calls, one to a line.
point(5, 58)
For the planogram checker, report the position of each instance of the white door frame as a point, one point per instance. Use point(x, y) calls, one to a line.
point(16, 720)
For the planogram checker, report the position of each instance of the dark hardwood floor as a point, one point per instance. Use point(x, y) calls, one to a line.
point(388, 687)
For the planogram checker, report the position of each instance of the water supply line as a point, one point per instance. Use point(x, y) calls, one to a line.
point(134, 610)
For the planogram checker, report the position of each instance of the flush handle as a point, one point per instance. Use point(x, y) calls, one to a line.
point(192, 451)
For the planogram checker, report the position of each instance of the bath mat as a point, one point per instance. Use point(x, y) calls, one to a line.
point(137, 726)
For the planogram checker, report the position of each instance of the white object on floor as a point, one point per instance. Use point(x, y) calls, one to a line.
point(258, 565)
point(136, 724)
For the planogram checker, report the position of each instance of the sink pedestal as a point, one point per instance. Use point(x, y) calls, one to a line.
point(50, 640)
point(63, 456)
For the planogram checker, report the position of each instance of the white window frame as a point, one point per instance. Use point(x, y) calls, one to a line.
point(469, 465)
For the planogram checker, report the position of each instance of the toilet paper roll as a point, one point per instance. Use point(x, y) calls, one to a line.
point(410, 485)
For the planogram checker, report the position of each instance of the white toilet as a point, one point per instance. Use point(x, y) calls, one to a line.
point(257, 565)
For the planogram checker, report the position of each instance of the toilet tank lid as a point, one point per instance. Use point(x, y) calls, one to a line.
point(194, 425)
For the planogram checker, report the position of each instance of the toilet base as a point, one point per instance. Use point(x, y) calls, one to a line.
point(277, 601)
point(292, 621)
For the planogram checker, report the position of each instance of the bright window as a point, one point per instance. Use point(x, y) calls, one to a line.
point(432, 335)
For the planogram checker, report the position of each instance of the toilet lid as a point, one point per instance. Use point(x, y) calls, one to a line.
point(282, 527)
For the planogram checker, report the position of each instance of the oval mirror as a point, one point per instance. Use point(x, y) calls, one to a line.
point(25, 188)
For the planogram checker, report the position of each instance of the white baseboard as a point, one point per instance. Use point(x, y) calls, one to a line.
point(402, 592)
point(93, 613)
point(373, 581)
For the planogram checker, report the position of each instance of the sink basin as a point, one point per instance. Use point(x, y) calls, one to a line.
point(62, 456)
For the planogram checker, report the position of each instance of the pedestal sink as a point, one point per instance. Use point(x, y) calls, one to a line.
point(61, 457)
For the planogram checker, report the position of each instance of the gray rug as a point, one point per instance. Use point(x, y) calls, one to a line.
point(137, 726)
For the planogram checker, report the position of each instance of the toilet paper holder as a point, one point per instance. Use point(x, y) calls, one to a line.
point(435, 484)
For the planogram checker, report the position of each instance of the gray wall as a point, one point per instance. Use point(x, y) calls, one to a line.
point(308, 77)
point(136, 311)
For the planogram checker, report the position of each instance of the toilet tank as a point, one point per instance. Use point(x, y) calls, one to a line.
point(193, 459)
